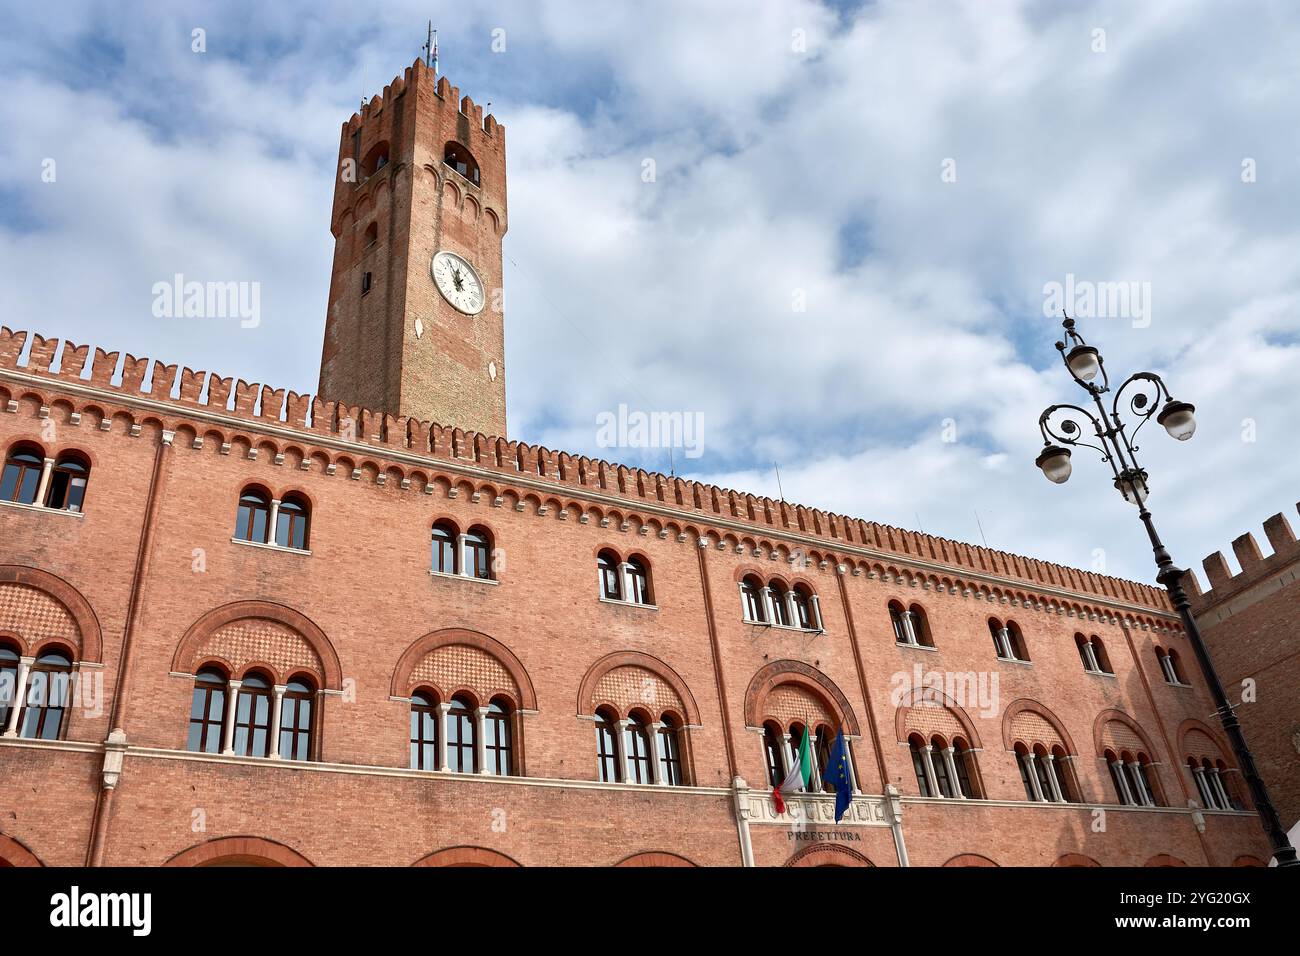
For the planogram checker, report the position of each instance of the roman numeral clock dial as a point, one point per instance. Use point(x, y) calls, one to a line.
point(458, 282)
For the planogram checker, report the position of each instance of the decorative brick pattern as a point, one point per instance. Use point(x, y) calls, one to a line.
point(930, 719)
point(1198, 745)
point(243, 642)
point(1033, 729)
point(34, 616)
point(1120, 737)
point(628, 687)
point(790, 703)
point(459, 665)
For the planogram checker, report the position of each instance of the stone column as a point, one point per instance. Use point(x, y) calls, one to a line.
point(480, 738)
point(277, 710)
point(652, 734)
point(789, 755)
point(20, 695)
point(621, 749)
point(1052, 781)
point(791, 610)
point(443, 765)
point(909, 628)
point(44, 484)
point(274, 529)
point(462, 555)
point(228, 725)
point(769, 605)
point(951, 763)
point(1004, 642)
point(1031, 765)
point(816, 614)
point(930, 778)
point(1144, 798)
point(1217, 779)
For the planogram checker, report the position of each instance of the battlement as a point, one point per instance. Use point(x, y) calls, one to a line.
point(415, 75)
point(261, 405)
point(1254, 565)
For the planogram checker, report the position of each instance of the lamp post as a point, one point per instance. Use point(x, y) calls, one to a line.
point(1063, 427)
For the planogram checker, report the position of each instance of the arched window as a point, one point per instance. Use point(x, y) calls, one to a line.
point(942, 780)
point(460, 159)
point(1119, 779)
point(291, 523)
point(606, 747)
point(774, 753)
point(444, 547)
point(68, 479)
point(1170, 666)
point(478, 553)
point(1099, 652)
point(9, 660)
point(295, 720)
point(1000, 645)
point(1024, 764)
point(1213, 784)
point(207, 712)
point(496, 731)
point(372, 234)
point(610, 586)
point(822, 742)
point(375, 160)
point(920, 626)
point(22, 475)
point(638, 580)
point(670, 753)
point(1016, 640)
point(460, 737)
point(636, 743)
point(963, 759)
point(780, 606)
point(1063, 767)
point(1092, 654)
point(804, 614)
point(921, 762)
point(253, 717)
point(898, 617)
point(751, 600)
point(424, 731)
point(49, 688)
point(253, 517)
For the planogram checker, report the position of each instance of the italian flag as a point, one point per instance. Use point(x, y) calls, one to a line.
point(800, 775)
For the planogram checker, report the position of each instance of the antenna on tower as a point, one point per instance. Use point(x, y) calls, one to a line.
point(431, 48)
point(779, 490)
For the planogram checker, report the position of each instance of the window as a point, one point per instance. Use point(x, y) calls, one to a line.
point(460, 159)
point(670, 754)
point(1062, 765)
point(253, 517)
point(1008, 641)
point(774, 753)
point(1213, 784)
point(780, 606)
point(942, 781)
point(920, 765)
point(367, 282)
point(637, 745)
point(424, 731)
point(253, 717)
point(496, 730)
point(22, 475)
point(804, 615)
point(1093, 654)
point(822, 741)
point(295, 720)
point(372, 234)
point(291, 523)
point(375, 160)
point(964, 760)
point(460, 737)
point(207, 712)
point(751, 600)
point(48, 690)
point(8, 681)
point(1170, 667)
point(607, 563)
point(444, 548)
point(68, 483)
point(478, 554)
point(1025, 765)
point(638, 579)
point(606, 750)
point(902, 635)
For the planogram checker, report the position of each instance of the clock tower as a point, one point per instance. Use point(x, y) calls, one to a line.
point(415, 324)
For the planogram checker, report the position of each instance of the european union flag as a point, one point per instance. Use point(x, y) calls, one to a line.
point(837, 775)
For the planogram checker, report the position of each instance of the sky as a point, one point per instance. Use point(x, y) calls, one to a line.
point(842, 264)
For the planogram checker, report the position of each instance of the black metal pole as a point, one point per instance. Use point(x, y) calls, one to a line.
point(1171, 577)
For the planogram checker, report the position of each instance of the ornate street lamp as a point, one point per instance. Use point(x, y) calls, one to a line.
point(1063, 428)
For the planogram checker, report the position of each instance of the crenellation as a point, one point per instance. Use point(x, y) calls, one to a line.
point(1246, 548)
point(1280, 536)
point(73, 361)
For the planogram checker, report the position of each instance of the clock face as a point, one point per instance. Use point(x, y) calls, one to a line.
point(458, 282)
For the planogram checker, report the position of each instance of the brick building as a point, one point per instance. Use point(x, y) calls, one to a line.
point(246, 625)
point(1251, 624)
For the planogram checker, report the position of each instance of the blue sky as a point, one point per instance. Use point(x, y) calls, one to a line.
point(800, 151)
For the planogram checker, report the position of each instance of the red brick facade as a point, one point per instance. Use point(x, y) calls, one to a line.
point(1251, 625)
point(146, 585)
